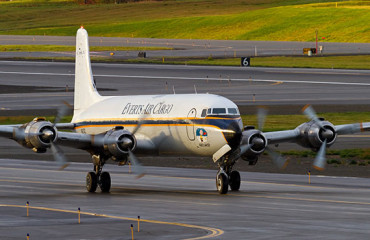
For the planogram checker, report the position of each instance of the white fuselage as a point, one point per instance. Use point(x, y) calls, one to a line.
point(169, 124)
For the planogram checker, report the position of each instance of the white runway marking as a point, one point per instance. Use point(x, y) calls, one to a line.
point(196, 78)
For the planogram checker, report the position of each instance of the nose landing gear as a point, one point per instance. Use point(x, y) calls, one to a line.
point(224, 180)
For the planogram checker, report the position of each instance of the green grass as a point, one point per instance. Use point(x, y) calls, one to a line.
point(283, 122)
point(342, 62)
point(62, 48)
point(25, 119)
point(203, 19)
point(337, 157)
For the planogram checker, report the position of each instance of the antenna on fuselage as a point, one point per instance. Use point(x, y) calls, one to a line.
point(195, 89)
point(173, 88)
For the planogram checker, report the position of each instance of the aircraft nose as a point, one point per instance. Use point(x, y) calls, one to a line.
point(233, 134)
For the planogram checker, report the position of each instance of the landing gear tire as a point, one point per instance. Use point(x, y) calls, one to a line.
point(105, 182)
point(91, 182)
point(222, 183)
point(234, 181)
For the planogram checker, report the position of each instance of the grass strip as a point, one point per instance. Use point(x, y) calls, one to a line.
point(328, 62)
point(331, 62)
point(279, 20)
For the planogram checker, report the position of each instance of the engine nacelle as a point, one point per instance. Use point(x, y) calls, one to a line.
point(256, 142)
point(37, 134)
point(119, 142)
point(313, 136)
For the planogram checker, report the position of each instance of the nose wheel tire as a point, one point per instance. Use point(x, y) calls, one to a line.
point(234, 181)
point(222, 183)
point(105, 182)
point(91, 182)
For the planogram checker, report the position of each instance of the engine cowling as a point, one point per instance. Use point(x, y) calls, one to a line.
point(119, 142)
point(37, 134)
point(313, 136)
point(256, 142)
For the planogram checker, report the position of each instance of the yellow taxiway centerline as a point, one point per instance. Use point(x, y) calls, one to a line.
point(214, 232)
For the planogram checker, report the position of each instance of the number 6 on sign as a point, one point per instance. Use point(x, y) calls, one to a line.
point(245, 61)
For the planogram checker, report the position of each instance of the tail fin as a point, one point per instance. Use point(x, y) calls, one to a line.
point(85, 93)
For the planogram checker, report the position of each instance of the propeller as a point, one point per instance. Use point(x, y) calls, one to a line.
point(59, 156)
point(57, 151)
point(19, 133)
point(279, 160)
point(62, 111)
point(261, 117)
point(137, 168)
point(311, 114)
point(126, 143)
point(259, 142)
point(320, 160)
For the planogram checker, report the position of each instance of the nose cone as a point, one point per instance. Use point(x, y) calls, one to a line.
point(126, 143)
point(258, 143)
point(47, 135)
point(327, 134)
point(233, 134)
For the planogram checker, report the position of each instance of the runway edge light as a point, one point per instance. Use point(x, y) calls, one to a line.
point(132, 232)
point(79, 215)
point(28, 208)
point(138, 223)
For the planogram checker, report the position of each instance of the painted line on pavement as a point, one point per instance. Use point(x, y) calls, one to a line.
point(197, 78)
point(214, 232)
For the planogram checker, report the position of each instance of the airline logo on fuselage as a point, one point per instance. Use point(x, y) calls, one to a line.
point(201, 134)
point(159, 108)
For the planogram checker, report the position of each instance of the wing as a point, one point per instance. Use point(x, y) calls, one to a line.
point(7, 130)
point(310, 130)
point(316, 134)
point(39, 135)
point(294, 135)
point(282, 136)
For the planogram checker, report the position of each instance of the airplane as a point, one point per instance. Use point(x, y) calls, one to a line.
point(120, 128)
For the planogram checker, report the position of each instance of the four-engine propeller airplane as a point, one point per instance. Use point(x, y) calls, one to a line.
point(116, 127)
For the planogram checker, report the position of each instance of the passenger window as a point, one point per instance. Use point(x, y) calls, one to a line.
point(204, 113)
point(219, 111)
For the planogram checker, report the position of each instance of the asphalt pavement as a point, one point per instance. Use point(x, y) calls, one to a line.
point(181, 47)
point(178, 203)
point(245, 86)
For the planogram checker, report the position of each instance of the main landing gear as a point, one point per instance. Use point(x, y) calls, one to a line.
point(224, 179)
point(93, 179)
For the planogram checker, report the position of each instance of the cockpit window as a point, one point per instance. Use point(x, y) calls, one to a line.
point(219, 111)
point(204, 113)
point(232, 111)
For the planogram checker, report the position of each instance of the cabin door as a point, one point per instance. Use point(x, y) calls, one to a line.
point(190, 127)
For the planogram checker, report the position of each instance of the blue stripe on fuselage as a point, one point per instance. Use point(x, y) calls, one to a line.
point(221, 122)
